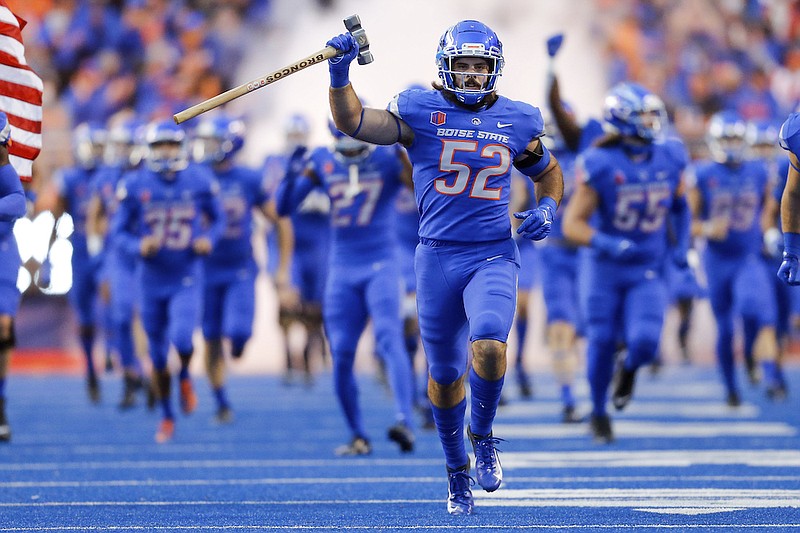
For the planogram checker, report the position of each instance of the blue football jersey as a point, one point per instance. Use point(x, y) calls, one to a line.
point(241, 189)
point(789, 136)
point(362, 218)
point(75, 186)
point(177, 211)
point(462, 162)
point(736, 194)
point(635, 197)
point(405, 207)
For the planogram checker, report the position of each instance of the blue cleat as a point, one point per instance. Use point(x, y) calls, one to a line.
point(487, 464)
point(459, 493)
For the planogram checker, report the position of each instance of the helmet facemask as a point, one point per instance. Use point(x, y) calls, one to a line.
point(351, 151)
point(166, 157)
point(634, 113)
point(726, 138)
point(470, 39)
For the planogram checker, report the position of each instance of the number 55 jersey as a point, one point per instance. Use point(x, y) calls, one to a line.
point(635, 195)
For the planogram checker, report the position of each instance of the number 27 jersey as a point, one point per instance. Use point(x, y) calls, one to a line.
point(462, 162)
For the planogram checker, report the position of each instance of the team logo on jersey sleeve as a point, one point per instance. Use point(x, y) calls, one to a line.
point(619, 177)
point(438, 118)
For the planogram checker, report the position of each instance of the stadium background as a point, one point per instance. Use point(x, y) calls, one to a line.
point(654, 42)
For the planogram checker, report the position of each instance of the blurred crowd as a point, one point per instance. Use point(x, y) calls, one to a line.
point(703, 56)
point(154, 57)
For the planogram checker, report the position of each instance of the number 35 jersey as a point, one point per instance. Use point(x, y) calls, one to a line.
point(462, 162)
point(634, 197)
point(176, 212)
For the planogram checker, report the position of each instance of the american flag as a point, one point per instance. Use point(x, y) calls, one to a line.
point(20, 94)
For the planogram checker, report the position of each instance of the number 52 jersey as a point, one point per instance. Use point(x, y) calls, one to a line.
point(462, 162)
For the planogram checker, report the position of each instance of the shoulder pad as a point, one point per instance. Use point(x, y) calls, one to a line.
point(789, 136)
point(676, 150)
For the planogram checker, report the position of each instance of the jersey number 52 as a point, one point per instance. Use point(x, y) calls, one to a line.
point(463, 171)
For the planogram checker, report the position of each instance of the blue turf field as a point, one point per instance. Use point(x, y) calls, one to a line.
point(683, 461)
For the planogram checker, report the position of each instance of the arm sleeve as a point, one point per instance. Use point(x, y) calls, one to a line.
point(212, 207)
point(12, 197)
point(122, 223)
point(681, 220)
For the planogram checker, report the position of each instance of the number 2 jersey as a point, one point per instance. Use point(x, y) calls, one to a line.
point(634, 198)
point(462, 162)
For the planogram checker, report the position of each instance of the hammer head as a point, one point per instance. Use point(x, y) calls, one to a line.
point(353, 25)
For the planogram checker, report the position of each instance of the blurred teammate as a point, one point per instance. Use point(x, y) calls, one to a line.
point(74, 186)
point(171, 215)
point(789, 139)
point(632, 181)
point(462, 139)
point(230, 269)
point(561, 259)
point(407, 216)
point(726, 203)
point(762, 139)
point(309, 260)
point(364, 273)
point(122, 155)
point(12, 207)
point(523, 197)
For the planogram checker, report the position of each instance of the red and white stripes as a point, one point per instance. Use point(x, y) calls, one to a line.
point(20, 94)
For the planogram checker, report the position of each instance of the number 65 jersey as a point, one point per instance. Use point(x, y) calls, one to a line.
point(462, 162)
point(634, 197)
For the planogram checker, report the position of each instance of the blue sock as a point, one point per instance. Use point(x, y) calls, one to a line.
point(222, 398)
point(725, 359)
point(344, 383)
point(2, 387)
point(165, 389)
point(566, 396)
point(185, 360)
point(521, 327)
point(771, 375)
point(485, 397)
point(450, 425)
point(599, 369)
point(87, 343)
point(412, 343)
point(683, 332)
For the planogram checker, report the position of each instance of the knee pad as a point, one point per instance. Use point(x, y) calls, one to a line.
point(488, 325)
point(444, 375)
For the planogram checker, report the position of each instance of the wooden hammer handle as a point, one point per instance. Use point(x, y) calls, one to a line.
point(223, 98)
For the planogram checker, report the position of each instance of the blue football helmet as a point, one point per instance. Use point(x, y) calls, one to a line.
point(469, 38)
point(122, 144)
point(762, 139)
point(347, 149)
point(217, 139)
point(297, 131)
point(632, 111)
point(88, 144)
point(726, 137)
point(166, 147)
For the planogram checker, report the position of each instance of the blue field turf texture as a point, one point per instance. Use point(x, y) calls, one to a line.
point(682, 461)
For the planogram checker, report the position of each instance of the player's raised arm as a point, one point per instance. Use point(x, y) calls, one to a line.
point(376, 126)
